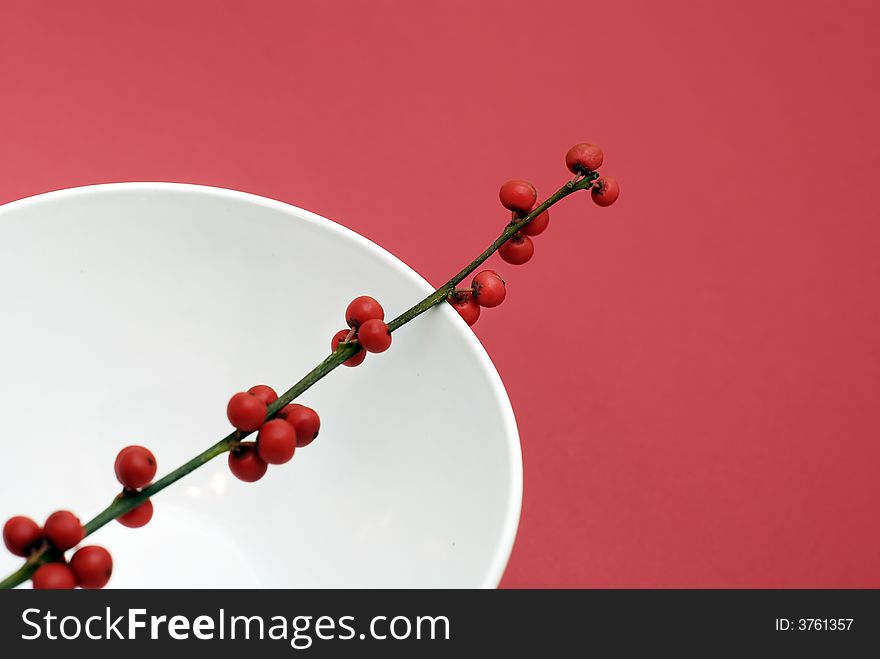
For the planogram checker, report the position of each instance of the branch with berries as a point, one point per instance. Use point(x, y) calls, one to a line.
point(283, 426)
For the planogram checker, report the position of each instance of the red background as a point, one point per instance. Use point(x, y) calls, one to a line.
point(694, 371)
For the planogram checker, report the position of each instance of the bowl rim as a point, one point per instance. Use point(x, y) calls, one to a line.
point(495, 571)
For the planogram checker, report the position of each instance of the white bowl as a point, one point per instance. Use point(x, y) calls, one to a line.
point(131, 312)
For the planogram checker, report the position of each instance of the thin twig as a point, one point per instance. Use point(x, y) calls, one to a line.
point(122, 505)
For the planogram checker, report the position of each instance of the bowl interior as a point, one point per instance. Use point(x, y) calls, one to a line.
point(130, 314)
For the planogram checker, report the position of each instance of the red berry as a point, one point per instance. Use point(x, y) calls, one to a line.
point(245, 464)
point(355, 359)
point(361, 309)
point(54, 576)
point(21, 535)
point(518, 196)
point(135, 467)
point(276, 442)
point(517, 250)
point(466, 307)
point(92, 566)
point(305, 422)
point(63, 529)
point(138, 516)
point(605, 190)
point(537, 225)
point(264, 392)
point(489, 289)
point(583, 158)
point(374, 336)
point(246, 411)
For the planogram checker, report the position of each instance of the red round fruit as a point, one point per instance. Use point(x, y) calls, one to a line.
point(374, 336)
point(21, 535)
point(354, 360)
point(63, 529)
point(305, 422)
point(489, 289)
point(517, 196)
point(54, 576)
point(264, 392)
point(538, 225)
point(605, 190)
point(245, 464)
point(361, 309)
point(135, 467)
point(276, 442)
point(466, 307)
point(246, 411)
point(138, 516)
point(92, 566)
point(583, 158)
point(517, 250)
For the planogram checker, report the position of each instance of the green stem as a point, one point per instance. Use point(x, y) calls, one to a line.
point(443, 292)
point(127, 502)
point(21, 575)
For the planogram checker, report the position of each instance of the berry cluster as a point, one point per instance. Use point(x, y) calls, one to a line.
point(487, 290)
point(294, 426)
point(89, 567)
point(520, 198)
point(366, 329)
point(135, 468)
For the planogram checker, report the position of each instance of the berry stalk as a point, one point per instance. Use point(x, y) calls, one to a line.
point(346, 350)
point(443, 292)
